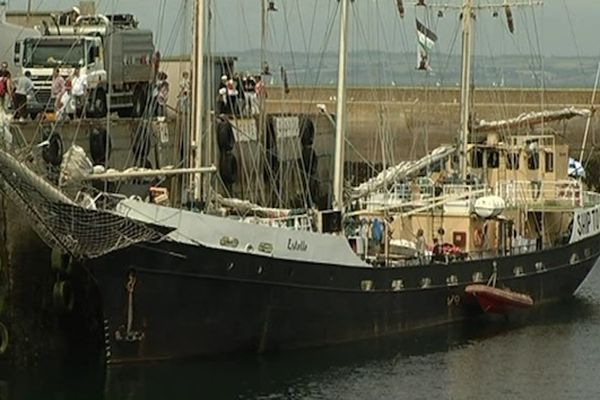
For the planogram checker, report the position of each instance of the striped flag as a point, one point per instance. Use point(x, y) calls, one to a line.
point(426, 40)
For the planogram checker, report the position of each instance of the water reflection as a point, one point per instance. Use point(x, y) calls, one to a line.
point(544, 354)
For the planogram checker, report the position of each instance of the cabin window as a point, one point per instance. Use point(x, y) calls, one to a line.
point(476, 158)
point(549, 162)
point(533, 161)
point(512, 161)
point(493, 159)
point(425, 282)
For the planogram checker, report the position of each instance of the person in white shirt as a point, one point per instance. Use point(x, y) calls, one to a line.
point(79, 91)
point(67, 103)
point(23, 89)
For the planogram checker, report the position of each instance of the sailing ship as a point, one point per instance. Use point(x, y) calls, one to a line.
point(178, 283)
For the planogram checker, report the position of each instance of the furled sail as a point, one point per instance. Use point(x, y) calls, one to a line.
point(532, 118)
point(405, 169)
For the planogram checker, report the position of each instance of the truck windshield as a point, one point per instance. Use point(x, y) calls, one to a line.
point(39, 53)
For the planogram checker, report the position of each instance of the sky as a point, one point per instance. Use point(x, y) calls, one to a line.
point(558, 28)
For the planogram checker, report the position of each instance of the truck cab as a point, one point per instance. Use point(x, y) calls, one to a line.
point(111, 53)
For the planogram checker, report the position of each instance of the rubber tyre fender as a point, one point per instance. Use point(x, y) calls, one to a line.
point(307, 131)
point(140, 101)
point(100, 146)
point(99, 103)
point(225, 136)
point(309, 161)
point(53, 152)
point(4, 339)
point(228, 168)
point(63, 296)
point(60, 262)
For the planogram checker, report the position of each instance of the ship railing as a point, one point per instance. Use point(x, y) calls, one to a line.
point(301, 222)
point(422, 193)
point(561, 193)
point(591, 199)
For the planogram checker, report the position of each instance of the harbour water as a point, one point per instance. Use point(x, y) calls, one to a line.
point(552, 353)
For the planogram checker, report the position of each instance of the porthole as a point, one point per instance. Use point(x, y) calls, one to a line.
point(540, 267)
point(259, 270)
point(265, 247)
point(230, 266)
point(587, 252)
point(425, 282)
point(366, 285)
point(477, 277)
point(574, 259)
point(229, 241)
point(397, 284)
point(452, 280)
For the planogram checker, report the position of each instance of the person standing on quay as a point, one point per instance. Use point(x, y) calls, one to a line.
point(58, 89)
point(24, 89)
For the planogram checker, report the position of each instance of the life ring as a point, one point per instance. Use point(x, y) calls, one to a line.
point(4, 339)
point(228, 168)
point(307, 131)
point(63, 296)
point(478, 237)
point(225, 136)
point(52, 153)
point(100, 146)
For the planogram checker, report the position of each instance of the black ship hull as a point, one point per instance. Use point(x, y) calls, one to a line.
point(186, 301)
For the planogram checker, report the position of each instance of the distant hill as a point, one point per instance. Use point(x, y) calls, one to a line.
point(372, 68)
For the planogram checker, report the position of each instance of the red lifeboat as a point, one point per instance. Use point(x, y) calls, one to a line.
point(498, 301)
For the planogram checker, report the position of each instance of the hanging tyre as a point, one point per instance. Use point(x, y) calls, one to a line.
point(100, 146)
point(307, 131)
point(98, 106)
point(228, 168)
point(139, 102)
point(63, 296)
point(4, 339)
point(309, 161)
point(225, 136)
point(52, 153)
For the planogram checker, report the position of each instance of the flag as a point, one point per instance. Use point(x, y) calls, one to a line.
point(426, 40)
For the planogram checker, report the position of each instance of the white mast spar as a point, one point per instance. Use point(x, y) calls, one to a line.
point(465, 92)
point(197, 104)
point(341, 123)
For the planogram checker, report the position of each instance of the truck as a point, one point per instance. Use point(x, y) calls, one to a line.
point(116, 57)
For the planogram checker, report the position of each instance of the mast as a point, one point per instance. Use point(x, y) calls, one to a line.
point(341, 123)
point(465, 92)
point(197, 104)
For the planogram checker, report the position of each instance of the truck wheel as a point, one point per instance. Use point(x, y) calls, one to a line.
point(99, 103)
point(139, 102)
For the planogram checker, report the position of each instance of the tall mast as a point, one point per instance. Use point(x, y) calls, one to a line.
point(465, 92)
point(197, 105)
point(263, 34)
point(341, 123)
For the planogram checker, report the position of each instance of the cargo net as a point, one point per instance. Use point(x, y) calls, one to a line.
point(61, 223)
